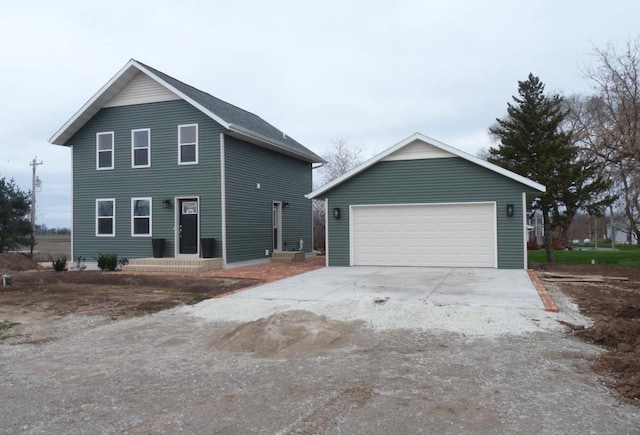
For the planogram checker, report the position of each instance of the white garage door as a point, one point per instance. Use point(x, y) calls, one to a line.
point(437, 235)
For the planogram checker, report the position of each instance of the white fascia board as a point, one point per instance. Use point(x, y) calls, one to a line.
point(91, 107)
point(437, 144)
point(109, 90)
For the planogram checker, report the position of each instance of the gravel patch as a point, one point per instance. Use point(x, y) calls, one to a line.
point(385, 315)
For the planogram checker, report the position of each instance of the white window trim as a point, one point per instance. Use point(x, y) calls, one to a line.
point(113, 149)
point(113, 200)
point(148, 148)
point(150, 217)
point(180, 144)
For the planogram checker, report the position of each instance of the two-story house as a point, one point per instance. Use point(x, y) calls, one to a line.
point(155, 159)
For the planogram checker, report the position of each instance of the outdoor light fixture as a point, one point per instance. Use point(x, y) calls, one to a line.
point(336, 213)
point(166, 203)
point(509, 210)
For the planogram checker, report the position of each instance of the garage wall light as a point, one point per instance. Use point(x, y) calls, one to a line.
point(336, 213)
point(509, 210)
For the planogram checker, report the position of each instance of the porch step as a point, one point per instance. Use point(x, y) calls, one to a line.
point(173, 265)
point(287, 257)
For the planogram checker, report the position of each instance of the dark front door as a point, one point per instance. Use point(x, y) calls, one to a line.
point(188, 226)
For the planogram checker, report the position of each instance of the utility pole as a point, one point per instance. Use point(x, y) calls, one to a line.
point(34, 163)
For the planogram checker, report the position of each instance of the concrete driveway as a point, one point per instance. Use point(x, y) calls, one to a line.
point(439, 286)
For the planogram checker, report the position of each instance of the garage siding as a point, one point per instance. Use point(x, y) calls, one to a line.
point(443, 180)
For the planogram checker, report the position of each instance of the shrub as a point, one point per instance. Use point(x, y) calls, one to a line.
point(107, 262)
point(79, 264)
point(60, 263)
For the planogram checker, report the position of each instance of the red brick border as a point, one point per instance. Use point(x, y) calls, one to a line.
point(548, 303)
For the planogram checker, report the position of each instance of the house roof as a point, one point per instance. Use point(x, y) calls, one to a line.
point(454, 152)
point(239, 122)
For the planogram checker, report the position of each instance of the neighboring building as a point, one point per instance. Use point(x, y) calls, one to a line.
point(424, 203)
point(154, 158)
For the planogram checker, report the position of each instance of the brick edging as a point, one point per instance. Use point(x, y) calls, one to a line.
point(548, 303)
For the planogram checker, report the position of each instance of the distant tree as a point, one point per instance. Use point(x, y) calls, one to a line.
point(15, 205)
point(340, 158)
point(611, 122)
point(534, 144)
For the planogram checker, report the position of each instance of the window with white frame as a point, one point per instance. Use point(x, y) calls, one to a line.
point(141, 148)
point(105, 217)
point(188, 144)
point(104, 150)
point(140, 217)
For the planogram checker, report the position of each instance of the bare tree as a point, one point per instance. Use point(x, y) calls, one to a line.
point(340, 158)
point(611, 122)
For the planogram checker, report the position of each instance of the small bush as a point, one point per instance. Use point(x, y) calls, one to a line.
point(107, 262)
point(60, 263)
point(79, 264)
point(532, 245)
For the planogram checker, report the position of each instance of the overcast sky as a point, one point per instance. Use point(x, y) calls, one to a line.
point(372, 71)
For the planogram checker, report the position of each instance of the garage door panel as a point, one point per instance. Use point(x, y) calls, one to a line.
point(443, 235)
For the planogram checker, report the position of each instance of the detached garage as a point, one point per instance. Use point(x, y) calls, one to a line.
point(424, 203)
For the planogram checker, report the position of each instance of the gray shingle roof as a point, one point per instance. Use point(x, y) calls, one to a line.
point(239, 122)
point(236, 116)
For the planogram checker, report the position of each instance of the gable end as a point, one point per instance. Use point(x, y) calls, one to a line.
point(140, 90)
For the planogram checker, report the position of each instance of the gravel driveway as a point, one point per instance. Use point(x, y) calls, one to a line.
point(311, 367)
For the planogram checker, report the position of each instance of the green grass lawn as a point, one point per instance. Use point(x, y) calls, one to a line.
point(624, 255)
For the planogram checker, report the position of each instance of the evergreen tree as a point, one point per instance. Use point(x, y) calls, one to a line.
point(15, 205)
point(533, 144)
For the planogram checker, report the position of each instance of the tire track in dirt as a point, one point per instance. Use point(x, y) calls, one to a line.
point(324, 417)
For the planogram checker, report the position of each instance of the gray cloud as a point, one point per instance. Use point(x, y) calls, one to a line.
point(373, 71)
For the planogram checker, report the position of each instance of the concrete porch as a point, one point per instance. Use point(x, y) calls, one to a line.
point(173, 265)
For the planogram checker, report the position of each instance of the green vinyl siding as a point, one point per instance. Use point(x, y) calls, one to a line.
point(164, 179)
point(442, 180)
point(249, 208)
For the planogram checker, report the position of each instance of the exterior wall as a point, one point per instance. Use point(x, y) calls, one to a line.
point(429, 181)
point(165, 179)
point(249, 209)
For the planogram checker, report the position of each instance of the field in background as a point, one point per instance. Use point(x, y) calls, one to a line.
point(52, 245)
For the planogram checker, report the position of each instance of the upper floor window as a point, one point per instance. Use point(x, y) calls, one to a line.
point(104, 150)
point(188, 144)
point(105, 217)
point(141, 148)
point(140, 217)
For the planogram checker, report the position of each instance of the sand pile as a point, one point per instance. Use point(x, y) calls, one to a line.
point(287, 333)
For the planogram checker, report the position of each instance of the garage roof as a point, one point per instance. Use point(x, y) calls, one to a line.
point(443, 149)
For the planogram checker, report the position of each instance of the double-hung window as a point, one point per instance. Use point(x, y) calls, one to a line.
point(188, 144)
point(140, 217)
point(105, 217)
point(141, 148)
point(104, 150)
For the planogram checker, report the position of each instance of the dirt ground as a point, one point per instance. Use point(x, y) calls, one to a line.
point(39, 295)
point(614, 305)
point(295, 372)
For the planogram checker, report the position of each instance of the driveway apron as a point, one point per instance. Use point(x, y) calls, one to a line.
point(439, 286)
